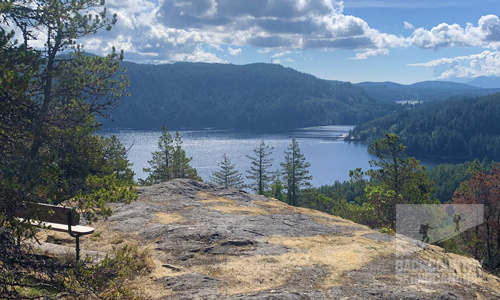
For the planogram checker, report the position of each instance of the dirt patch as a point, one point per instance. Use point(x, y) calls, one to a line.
point(166, 218)
point(220, 200)
point(240, 210)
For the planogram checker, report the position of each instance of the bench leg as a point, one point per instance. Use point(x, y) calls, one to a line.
point(77, 248)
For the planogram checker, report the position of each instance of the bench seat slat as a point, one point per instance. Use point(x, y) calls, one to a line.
point(78, 229)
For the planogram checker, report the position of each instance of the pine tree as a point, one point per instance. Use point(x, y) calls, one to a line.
point(276, 187)
point(115, 156)
point(258, 173)
point(295, 172)
point(169, 161)
point(50, 99)
point(161, 169)
point(395, 179)
point(227, 176)
point(180, 162)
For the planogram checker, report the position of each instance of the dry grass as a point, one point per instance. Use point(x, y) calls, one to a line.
point(240, 210)
point(332, 222)
point(213, 199)
point(336, 254)
point(461, 267)
point(247, 274)
point(166, 218)
point(279, 207)
point(146, 288)
point(220, 200)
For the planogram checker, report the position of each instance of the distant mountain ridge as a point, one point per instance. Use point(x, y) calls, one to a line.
point(424, 91)
point(487, 82)
point(254, 96)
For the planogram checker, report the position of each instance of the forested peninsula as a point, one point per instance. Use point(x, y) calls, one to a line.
point(467, 128)
point(255, 96)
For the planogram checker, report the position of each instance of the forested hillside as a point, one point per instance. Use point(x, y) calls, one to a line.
point(267, 96)
point(423, 91)
point(466, 128)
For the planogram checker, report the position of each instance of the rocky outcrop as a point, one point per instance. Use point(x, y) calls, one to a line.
point(210, 242)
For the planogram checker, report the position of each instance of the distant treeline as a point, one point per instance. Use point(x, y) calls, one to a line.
point(260, 96)
point(465, 128)
point(422, 91)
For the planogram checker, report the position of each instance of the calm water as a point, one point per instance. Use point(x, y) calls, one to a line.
point(330, 157)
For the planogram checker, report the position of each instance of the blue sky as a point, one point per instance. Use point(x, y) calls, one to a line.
point(352, 40)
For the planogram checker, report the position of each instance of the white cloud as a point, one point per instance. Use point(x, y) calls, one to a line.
point(281, 54)
point(185, 29)
point(234, 52)
point(405, 4)
point(368, 53)
point(409, 26)
point(195, 30)
point(199, 55)
point(486, 34)
point(483, 64)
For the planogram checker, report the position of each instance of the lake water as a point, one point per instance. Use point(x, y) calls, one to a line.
point(330, 157)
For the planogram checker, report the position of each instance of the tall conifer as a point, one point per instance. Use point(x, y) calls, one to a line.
point(259, 174)
point(227, 176)
point(295, 172)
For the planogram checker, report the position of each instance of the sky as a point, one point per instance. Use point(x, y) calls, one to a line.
point(403, 41)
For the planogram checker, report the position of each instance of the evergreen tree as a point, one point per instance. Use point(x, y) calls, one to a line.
point(169, 161)
point(49, 101)
point(295, 172)
point(395, 179)
point(115, 155)
point(276, 187)
point(227, 176)
point(180, 162)
point(258, 173)
point(49, 150)
point(404, 175)
point(161, 163)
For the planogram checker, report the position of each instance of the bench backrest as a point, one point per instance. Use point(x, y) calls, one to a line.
point(48, 213)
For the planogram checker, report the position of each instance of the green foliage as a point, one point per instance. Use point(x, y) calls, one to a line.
point(48, 146)
point(448, 177)
point(260, 96)
point(277, 187)
point(395, 171)
point(465, 128)
point(483, 241)
point(347, 190)
point(116, 161)
point(295, 172)
point(25, 275)
point(313, 198)
point(170, 161)
point(101, 190)
point(361, 213)
point(180, 163)
point(49, 150)
point(387, 230)
point(395, 179)
point(109, 278)
point(371, 197)
point(227, 176)
point(260, 163)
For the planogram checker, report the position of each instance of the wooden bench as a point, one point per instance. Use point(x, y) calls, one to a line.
point(56, 218)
